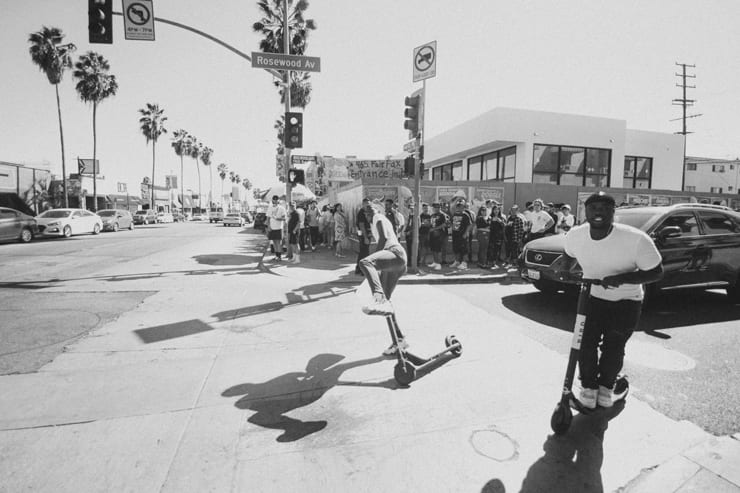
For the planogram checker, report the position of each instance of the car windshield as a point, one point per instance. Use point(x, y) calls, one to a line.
point(141, 213)
point(106, 213)
point(55, 214)
point(232, 215)
point(634, 219)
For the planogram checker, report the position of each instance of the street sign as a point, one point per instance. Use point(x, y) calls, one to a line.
point(425, 61)
point(138, 19)
point(279, 61)
point(411, 146)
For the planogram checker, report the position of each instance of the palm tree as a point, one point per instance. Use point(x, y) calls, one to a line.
point(180, 140)
point(53, 58)
point(205, 156)
point(271, 28)
point(222, 168)
point(247, 184)
point(152, 126)
point(195, 150)
point(94, 85)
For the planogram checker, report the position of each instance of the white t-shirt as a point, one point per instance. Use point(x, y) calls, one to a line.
point(624, 249)
point(277, 214)
point(301, 217)
point(380, 221)
point(567, 221)
point(539, 220)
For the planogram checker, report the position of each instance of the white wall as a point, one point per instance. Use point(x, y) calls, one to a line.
point(666, 151)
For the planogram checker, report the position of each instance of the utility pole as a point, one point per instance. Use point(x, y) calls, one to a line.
point(684, 103)
point(286, 89)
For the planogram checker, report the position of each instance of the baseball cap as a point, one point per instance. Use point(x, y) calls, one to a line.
point(600, 196)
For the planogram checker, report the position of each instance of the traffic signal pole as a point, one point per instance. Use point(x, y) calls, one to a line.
point(286, 89)
point(419, 166)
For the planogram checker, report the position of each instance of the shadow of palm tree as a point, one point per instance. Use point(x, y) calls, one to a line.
point(273, 399)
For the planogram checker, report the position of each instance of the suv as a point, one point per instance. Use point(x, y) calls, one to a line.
point(215, 215)
point(147, 216)
point(700, 245)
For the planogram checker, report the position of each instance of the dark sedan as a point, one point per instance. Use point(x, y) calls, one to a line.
point(15, 225)
point(700, 245)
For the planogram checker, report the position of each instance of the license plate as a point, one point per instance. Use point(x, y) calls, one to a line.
point(533, 274)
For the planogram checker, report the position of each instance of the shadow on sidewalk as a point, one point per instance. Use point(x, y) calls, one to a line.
point(273, 399)
point(572, 462)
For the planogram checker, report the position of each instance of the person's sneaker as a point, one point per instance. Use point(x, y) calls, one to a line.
point(391, 350)
point(437, 267)
point(378, 307)
point(606, 397)
point(455, 264)
point(463, 266)
point(588, 398)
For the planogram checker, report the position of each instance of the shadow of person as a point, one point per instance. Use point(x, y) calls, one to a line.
point(572, 462)
point(273, 399)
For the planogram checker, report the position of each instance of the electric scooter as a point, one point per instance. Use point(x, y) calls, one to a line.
point(409, 363)
point(562, 415)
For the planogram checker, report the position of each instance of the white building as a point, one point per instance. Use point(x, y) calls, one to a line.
point(712, 175)
point(514, 145)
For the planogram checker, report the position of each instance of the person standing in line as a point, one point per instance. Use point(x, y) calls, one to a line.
point(312, 215)
point(514, 233)
point(471, 233)
point(294, 231)
point(330, 225)
point(622, 258)
point(483, 233)
point(302, 240)
point(438, 235)
point(541, 221)
point(364, 232)
point(383, 269)
point(276, 219)
point(498, 234)
point(525, 214)
point(567, 220)
point(340, 230)
point(460, 231)
point(425, 224)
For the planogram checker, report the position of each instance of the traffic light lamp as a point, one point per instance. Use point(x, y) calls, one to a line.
point(100, 21)
point(409, 166)
point(293, 130)
point(296, 176)
point(411, 113)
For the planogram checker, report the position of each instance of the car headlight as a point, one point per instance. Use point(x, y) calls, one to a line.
point(53, 223)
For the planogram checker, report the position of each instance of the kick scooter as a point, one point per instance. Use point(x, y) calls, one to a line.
point(408, 363)
point(562, 416)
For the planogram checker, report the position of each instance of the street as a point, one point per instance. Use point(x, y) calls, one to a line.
point(151, 354)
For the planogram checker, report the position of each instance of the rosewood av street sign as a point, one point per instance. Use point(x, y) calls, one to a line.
point(278, 61)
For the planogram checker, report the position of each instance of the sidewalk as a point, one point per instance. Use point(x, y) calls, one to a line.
point(234, 375)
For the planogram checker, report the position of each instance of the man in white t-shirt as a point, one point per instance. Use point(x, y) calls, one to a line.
point(276, 220)
point(540, 220)
point(566, 220)
point(622, 258)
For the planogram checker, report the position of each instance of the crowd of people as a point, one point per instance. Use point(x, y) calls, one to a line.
point(499, 235)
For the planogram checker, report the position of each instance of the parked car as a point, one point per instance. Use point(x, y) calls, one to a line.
point(260, 221)
point(199, 216)
point(15, 225)
point(165, 217)
point(699, 243)
point(178, 217)
point(147, 216)
point(115, 219)
point(215, 215)
point(233, 219)
point(247, 217)
point(68, 222)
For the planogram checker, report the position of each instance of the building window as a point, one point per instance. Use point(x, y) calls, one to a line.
point(690, 188)
point(718, 168)
point(566, 165)
point(638, 172)
point(497, 165)
point(715, 189)
point(691, 167)
point(448, 172)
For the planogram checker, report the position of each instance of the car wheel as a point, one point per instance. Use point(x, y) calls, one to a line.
point(547, 287)
point(96, 229)
point(115, 227)
point(26, 235)
point(131, 226)
point(67, 231)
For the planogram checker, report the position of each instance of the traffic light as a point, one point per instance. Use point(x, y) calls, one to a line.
point(409, 166)
point(412, 114)
point(100, 21)
point(296, 176)
point(293, 130)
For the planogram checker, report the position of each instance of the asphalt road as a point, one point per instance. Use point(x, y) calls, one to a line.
point(683, 362)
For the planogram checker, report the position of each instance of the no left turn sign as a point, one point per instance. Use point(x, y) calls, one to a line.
point(425, 61)
point(138, 19)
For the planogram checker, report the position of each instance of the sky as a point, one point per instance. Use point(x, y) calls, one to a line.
point(613, 59)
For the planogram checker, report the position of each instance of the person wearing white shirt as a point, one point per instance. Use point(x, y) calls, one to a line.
point(276, 220)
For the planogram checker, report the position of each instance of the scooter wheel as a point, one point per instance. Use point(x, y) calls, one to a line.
point(621, 387)
point(452, 341)
point(404, 374)
point(561, 419)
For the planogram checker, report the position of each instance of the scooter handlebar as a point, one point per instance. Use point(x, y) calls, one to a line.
point(595, 282)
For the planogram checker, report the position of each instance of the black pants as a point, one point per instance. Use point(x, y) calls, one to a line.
point(609, 325)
